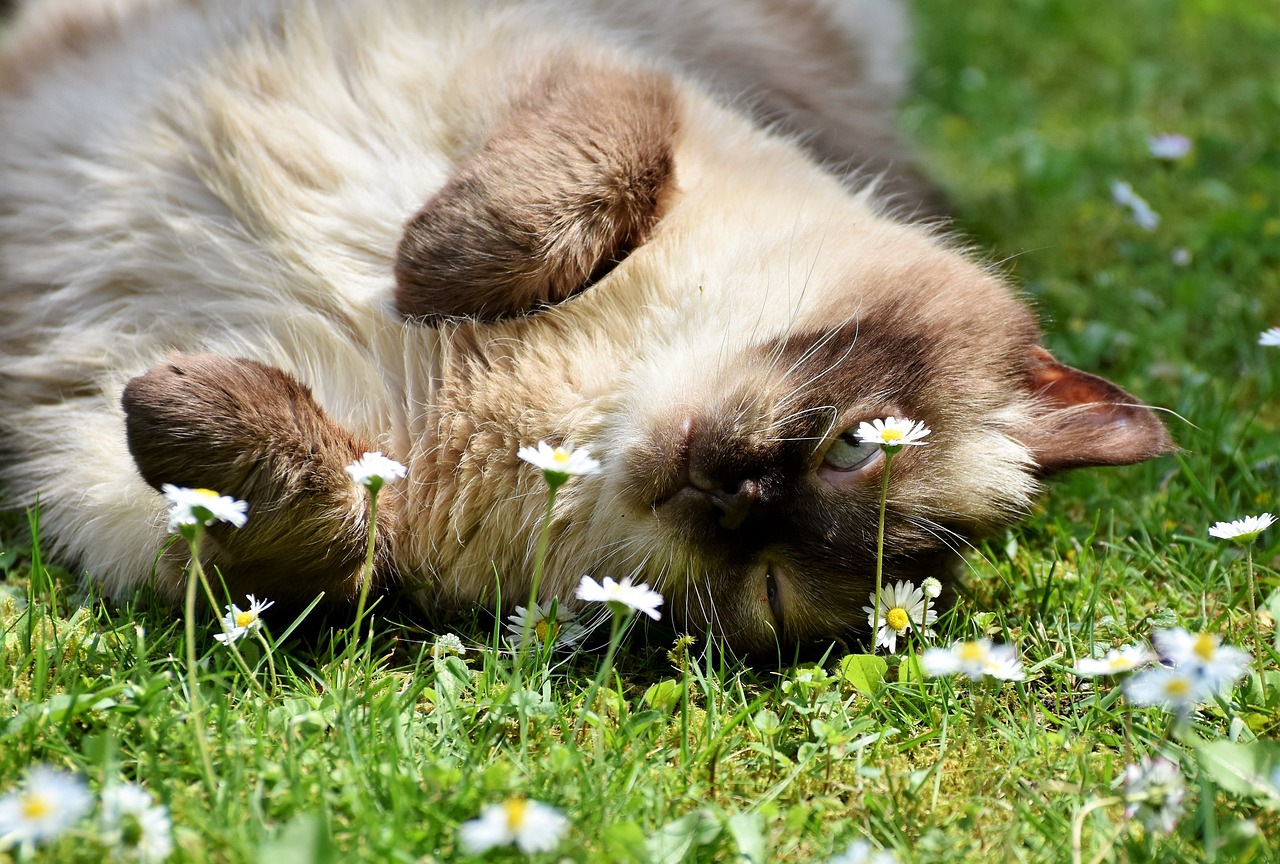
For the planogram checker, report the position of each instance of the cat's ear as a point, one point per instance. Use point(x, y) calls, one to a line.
point(563, 189)
point(1085, 420)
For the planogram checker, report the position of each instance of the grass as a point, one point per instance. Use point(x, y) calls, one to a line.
point(377, 750)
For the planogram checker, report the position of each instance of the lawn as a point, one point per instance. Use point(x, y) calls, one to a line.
point(332, 748)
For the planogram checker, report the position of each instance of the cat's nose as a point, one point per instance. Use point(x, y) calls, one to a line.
point(735, 504)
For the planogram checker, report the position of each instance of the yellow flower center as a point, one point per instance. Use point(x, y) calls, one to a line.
point(515, 813)
point(890, 435)
point(244, 619)
point(560, 456)
point(36, 807)
point(1204, 646)
point(206, 493)
point(543, 629)
point(897, 618)
point(1177, 687)
point(971, 652)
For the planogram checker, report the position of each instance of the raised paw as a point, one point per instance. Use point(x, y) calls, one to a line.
point(254, 432)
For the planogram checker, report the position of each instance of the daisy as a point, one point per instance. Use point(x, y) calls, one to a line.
point(892, 433)
point(531, 825)
point(1171, 147)
point(201, 507)
point(1202, 655)
point(862, 852)
point(1116, 662)
point(1244, 530)
point(1146, 218)
point(557, 463)
point(48, 803)
point(372, 470)
point(977, 660)
point(901, 607)
point(134, 825)
point(1153, 792)
point(1270, 337)
point(621, 596)
point(543, 626)
point(237, 622)
point(932, 588)
point(1175, 689)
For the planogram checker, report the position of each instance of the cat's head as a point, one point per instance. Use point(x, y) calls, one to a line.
point(629, 268)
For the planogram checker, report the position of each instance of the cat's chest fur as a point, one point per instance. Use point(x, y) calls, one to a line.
point(447, 229)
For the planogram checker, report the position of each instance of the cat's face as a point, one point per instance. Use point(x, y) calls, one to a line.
point(759, 314)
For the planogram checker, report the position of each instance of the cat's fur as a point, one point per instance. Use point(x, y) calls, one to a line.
point(445, 229)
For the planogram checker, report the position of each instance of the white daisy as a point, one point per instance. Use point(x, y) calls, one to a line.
point(1173, 688)
point(862, 852)
point(1116, 662)
point(901, 607)
point(621, 595)
point(1153, 792)
point(201, 507)
point(1146, 218)
point(531, 825)
point(372, 470)
point(136, 826)
point(543, 626)
point(977, 659)
point(932, 588)
point(237, 622)
point(1202, 655)
point(892, 433)
point(48, 803)
point(557, 463)
point(1270, 337)
point(1242, 530)
point(1170, 147)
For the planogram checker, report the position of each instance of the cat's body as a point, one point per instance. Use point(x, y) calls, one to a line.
point(467, 227)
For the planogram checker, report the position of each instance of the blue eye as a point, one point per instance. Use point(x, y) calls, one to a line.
point(847, 453)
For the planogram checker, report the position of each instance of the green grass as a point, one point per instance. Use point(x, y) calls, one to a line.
point(1024, 113)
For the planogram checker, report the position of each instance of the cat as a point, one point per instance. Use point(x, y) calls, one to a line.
point(242, 243)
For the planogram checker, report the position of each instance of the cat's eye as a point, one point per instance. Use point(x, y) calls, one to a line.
point(847, 453)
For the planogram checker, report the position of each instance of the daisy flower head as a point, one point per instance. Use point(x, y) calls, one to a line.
point(1146, 218)
point(1153, 793)
point(189, 507)
point(237, 622)
point(892, 433)
point(977, 660)
point(544, 626)
point(558, 464)
point(932, 588)
point(1171, 147)
point(48, 803)
point(621, 596)
point(1244, 530)
point(531, 825)
point(135, 825)
point(1270, 338)
point(902, 607)
point(1117, 661)
point(862, 852)
point(1176, 689)
point(373, 470)
point(1204, 656)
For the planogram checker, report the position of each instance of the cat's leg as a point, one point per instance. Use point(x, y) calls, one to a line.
point(255, 433)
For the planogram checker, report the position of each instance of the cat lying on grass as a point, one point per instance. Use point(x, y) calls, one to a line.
point(242, 243)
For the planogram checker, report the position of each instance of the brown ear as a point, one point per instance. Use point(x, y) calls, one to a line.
point(1087, 420)
point(562, 189)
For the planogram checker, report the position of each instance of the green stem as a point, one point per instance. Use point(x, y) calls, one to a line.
point(875, 603)
point(1253, 602)
point(539, 561)
point(366, 572)
point(194, 574)
point(620, 620)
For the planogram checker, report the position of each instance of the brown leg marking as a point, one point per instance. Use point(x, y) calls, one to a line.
point(253, 432)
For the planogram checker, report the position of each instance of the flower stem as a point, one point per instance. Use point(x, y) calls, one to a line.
point(366, 572)
point(619, 622)
point(539, 561)
point(195, 573)
point(1253, 602)
point(884, 500)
